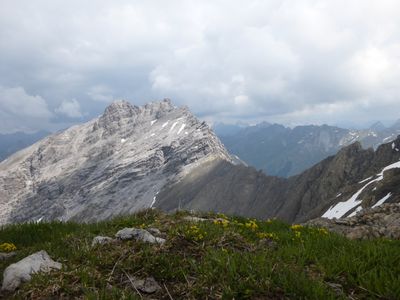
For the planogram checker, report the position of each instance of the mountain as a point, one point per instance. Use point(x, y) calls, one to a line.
point(158, 155)
point(222, 129)
point(13, 142)
point(332, 187)
point(114, 164)
point(283, 151)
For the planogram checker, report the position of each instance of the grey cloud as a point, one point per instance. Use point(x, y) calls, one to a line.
point(278, 60)
point(21, 111)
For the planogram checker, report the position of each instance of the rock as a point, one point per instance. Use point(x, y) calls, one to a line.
point(147, 285)
point(101, 240)
point(194, 219)
point(138, 235)
point(129, 152)
point(357, 234)
point(22, 271)
point(5, 256)
point(154, 231)
point(382, 221)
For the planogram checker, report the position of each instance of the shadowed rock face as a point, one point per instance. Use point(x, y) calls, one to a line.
point(241, 190)
point(115, 164)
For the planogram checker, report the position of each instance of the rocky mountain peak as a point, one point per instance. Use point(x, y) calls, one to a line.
point(115, 164)
point(119, 109)
point(377, 126)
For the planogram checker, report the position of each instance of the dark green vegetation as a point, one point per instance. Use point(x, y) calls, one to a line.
point(229, 258)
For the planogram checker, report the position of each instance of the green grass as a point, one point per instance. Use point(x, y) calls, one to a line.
point(206, 260)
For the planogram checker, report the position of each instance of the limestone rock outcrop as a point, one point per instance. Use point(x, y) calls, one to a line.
point(113, 165)
point(22, 271)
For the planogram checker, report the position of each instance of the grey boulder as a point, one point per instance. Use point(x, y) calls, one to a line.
point(138, 235)
point(147, 285)
point(22, 271)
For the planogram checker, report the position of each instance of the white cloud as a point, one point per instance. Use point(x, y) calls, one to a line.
point(21, 111)
point(71, 109)
point(284, 58)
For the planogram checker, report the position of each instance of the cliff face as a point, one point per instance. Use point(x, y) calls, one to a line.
point(115, 164)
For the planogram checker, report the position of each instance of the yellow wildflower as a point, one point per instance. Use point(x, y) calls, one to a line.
point(323, 231)
point(221, 215)
point(251, 225)
point(7, 247)
point(296, 227)
point(194, 233)
point(222, 222)
point(267, 235)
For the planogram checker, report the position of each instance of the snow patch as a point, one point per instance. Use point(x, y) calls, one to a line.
point(154, 200)
point(366, 179)
point(153, 134)
point(387, 138)
point(123, 141)
point(173, 126)
point(338, 195)
point(380, 202)
point(389, 167)
point(152, 122)
point(165, 124)
point(355, 211)
point(182, 127)
point(341, 208)
point(393, 145)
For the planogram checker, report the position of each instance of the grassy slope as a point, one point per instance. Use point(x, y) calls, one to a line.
point(215, 260)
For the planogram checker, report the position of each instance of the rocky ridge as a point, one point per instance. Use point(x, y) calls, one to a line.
point(245, 191)
point(378, 222)
point(115, 164)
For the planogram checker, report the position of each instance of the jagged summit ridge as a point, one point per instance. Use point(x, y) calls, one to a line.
point(114, 164)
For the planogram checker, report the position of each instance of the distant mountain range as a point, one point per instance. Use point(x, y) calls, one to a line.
point(282, 151)
point(158, 155)
point(13, 142)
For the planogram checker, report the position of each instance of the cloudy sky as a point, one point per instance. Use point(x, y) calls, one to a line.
point(292, 62)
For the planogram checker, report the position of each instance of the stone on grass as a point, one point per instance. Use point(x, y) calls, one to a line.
point(22, 271)
point(154, 231)
point(148, 285)
point(101, 240)
point(194, 219)
point(138, 235)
